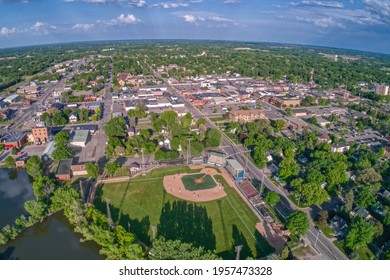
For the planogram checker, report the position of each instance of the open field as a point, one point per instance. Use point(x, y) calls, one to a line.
point(190, 183)
point(221, 224)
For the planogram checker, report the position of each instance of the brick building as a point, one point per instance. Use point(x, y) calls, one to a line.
point(40, 135)
point(246, 115)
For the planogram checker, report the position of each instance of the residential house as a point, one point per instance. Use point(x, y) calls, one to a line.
point(73, 118)
point(339, 226)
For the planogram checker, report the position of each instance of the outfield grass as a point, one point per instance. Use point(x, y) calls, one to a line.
point(220, 225)
point(122, 171)
point(189, 182)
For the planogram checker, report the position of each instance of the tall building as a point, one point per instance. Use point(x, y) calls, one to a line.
point(382, 89)
point(40, 135)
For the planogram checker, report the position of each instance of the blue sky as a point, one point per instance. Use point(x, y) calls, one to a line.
point(354, 24)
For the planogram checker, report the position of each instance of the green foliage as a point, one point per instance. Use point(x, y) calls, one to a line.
point(298, 222)
point(177, 250)
point(365, 197)
point(272, 198)
point(213, 138)
point(10, 162)
point(115, 127)
point(61, 152)
point(166, 155)
point(92, 169)
point(36, 209)
point(313, 120)
point(111, 167)
point(288, 168)
point(34, 167)
point(43, 186)
point(312, 193)
point(14, 150)
point(360, 234)
point(186, 120)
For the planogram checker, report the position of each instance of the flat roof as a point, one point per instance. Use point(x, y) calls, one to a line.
point(234, 163)
point(13, 137)
point(79, 136)
point(64, 166)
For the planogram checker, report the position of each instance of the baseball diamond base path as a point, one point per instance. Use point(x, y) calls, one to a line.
point(174, 186)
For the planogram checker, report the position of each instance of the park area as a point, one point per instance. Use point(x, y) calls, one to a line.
point(220, 225)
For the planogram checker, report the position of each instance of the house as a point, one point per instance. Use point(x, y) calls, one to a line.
point(339, 226)
point(340, 147)
point(131, 131)
point(73, 118)
point(78, 170)
point(79, 138)
point(21, 162)
point(362, 212)
point(63, 170)
point(245, 116)
point(235, 169)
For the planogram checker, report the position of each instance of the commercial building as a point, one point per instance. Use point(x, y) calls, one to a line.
point(14, 139)
point(382, 89)
point(12, 98)
point(40, 135)
point(244, 116)
point(79, 138)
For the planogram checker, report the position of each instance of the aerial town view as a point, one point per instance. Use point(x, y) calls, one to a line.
point(120, 141)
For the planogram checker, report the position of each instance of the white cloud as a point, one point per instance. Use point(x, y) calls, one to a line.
point(169, 5)
point(4, 31)
point(137, 3)
point(318, 4)
point(133, 3)
point(231, 1)
point(322, 22)
point(123, 19)
point(198, 17)
point(42, 27)
point(82, 26)
point(381, 7)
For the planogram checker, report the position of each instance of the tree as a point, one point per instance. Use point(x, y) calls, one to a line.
point(61, 138)
point(288, 111)
point(313, 120)
point(288, 168)
point(111, 167)
point(298, 222)
point(186, 120)
point(323, 217)
point(14, 150)
point(349, 200)
point(61, 152)
point(92, 169)
point(213, 138)
point(177, 250)
point(36, 209)
point(360, 234)
point(312, 193)
point(10, 162)
point(365, 197)
point(272, 198)
point(115, 127)
point(279, 125)
point(369, 176)
point(34, 167)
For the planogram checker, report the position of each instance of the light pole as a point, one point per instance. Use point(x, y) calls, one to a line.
point(189, 150)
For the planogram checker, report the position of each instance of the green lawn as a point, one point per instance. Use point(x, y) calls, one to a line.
point(122, 171)
point(220, 225)
point(326, 229)
point(189, 182)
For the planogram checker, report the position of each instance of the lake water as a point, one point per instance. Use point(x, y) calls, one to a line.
point(53, 239)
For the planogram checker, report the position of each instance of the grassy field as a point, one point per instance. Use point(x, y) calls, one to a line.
point(189, 182)
point(220, 225)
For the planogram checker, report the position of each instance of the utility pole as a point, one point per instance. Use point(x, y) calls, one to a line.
point(262, 184)
point(189, 150)
point(238, 251)
point(142, 162)
point(110, 222)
